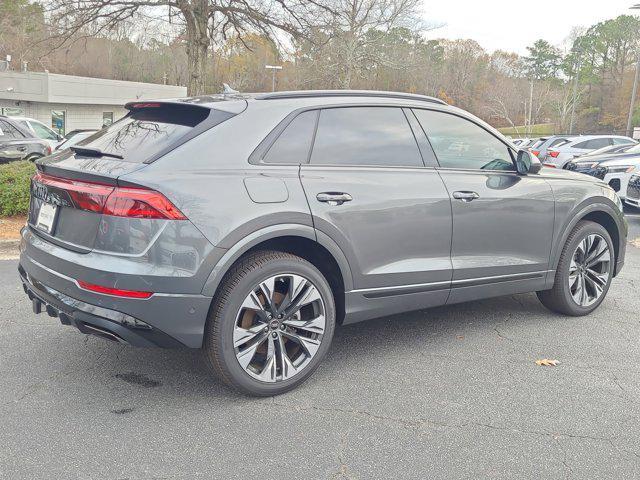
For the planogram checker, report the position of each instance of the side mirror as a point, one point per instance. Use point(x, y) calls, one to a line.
point(527, 162)
point(60, 137)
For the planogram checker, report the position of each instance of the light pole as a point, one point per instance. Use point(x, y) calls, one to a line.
point(634, 90)
point(273, 69)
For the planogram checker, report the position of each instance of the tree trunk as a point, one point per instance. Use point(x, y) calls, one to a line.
point(196, 14)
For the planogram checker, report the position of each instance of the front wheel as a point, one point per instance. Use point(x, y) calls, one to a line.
point(271, 324)
point(584, 272)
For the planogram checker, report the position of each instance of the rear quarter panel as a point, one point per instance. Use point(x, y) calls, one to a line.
point(211, 181)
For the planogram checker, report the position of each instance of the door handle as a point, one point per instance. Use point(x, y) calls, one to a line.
point(465, 196)
point(334, 198)
point(22, 149)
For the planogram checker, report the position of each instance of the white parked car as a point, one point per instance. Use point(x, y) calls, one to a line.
point(632, 196)
point(617, 173)
point(571, 148)
point(40, 130)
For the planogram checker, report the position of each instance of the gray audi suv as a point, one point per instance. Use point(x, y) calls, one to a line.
point(252, 226)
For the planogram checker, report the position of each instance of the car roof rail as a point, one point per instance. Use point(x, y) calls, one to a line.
point(348, 93)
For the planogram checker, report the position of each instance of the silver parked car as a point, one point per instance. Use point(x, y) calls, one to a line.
point(252, 226)
point(564, 152)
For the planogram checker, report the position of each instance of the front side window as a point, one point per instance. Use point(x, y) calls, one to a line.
point(376, 136)
point(460, 143)
point(293, 144)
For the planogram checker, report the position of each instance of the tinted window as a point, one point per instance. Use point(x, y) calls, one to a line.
point(8, 131)
point(558, 141)
point(147, 131)
point(460, 143)
point(365, 136)
point(593, 143)
point(621, 141)
point(293, 144)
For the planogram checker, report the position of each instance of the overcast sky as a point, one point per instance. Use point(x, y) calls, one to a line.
point(514, 25)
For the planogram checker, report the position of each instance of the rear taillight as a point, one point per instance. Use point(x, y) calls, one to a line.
point(140, 203)
point(553, 153)
point(116, 292)
point(535, 152)
point(49, 150)
point(84, 195)
point(132, 202)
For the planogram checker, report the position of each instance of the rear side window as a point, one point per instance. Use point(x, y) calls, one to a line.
point(593, 143)
point(293, 144)
point(144, 132)
point(558, 141)
point(8, 131)
point(378, 136)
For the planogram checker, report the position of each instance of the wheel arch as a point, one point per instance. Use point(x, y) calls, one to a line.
point(300, 240)
point(603, 212)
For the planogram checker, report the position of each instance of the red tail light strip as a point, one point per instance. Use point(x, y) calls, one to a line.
point(116, 292)
point(131, 202)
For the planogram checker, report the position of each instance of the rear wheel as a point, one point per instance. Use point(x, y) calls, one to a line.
point(584, 272)
point(271, 324)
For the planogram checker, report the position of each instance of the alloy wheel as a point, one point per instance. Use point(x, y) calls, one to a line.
point(589, 270)
point(279, 327)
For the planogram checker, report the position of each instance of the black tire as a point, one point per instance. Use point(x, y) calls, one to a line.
point(33, 158)
point(559, 298)
point(237, 284)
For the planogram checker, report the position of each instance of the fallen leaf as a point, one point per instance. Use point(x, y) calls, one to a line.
point(460, 337)
point(545, 362)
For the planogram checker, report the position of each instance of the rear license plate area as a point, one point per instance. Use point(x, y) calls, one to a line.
point(47, 216)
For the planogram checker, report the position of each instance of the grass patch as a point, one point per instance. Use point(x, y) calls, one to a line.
point(15, 181)
point(537, 130)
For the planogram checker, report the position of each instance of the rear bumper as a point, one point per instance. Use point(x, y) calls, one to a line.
point(50, 274)
point(93, 320)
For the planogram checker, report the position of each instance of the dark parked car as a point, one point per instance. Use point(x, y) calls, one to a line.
point(252, 226)
point(16, 143)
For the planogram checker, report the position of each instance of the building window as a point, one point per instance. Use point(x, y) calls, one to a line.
point(59, 121)
point(107, 119)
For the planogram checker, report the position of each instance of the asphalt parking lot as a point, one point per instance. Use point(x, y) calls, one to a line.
point(452, 392)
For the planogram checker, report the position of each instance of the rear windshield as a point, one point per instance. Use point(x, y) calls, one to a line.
point(145, 132)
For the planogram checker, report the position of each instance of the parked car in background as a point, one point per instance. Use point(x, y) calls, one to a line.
point(633, 191)
point(75, 137)
point(520, 141)
point(617, 173)
point(252, 226)
point(40, 130)
point(17, 143)
point(608, 151)
point(540, 151)
point(571, 148)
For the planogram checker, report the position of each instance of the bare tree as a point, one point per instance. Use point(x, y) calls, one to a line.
point(202, 22)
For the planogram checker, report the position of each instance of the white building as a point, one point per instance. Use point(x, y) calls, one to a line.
point(67, 102)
